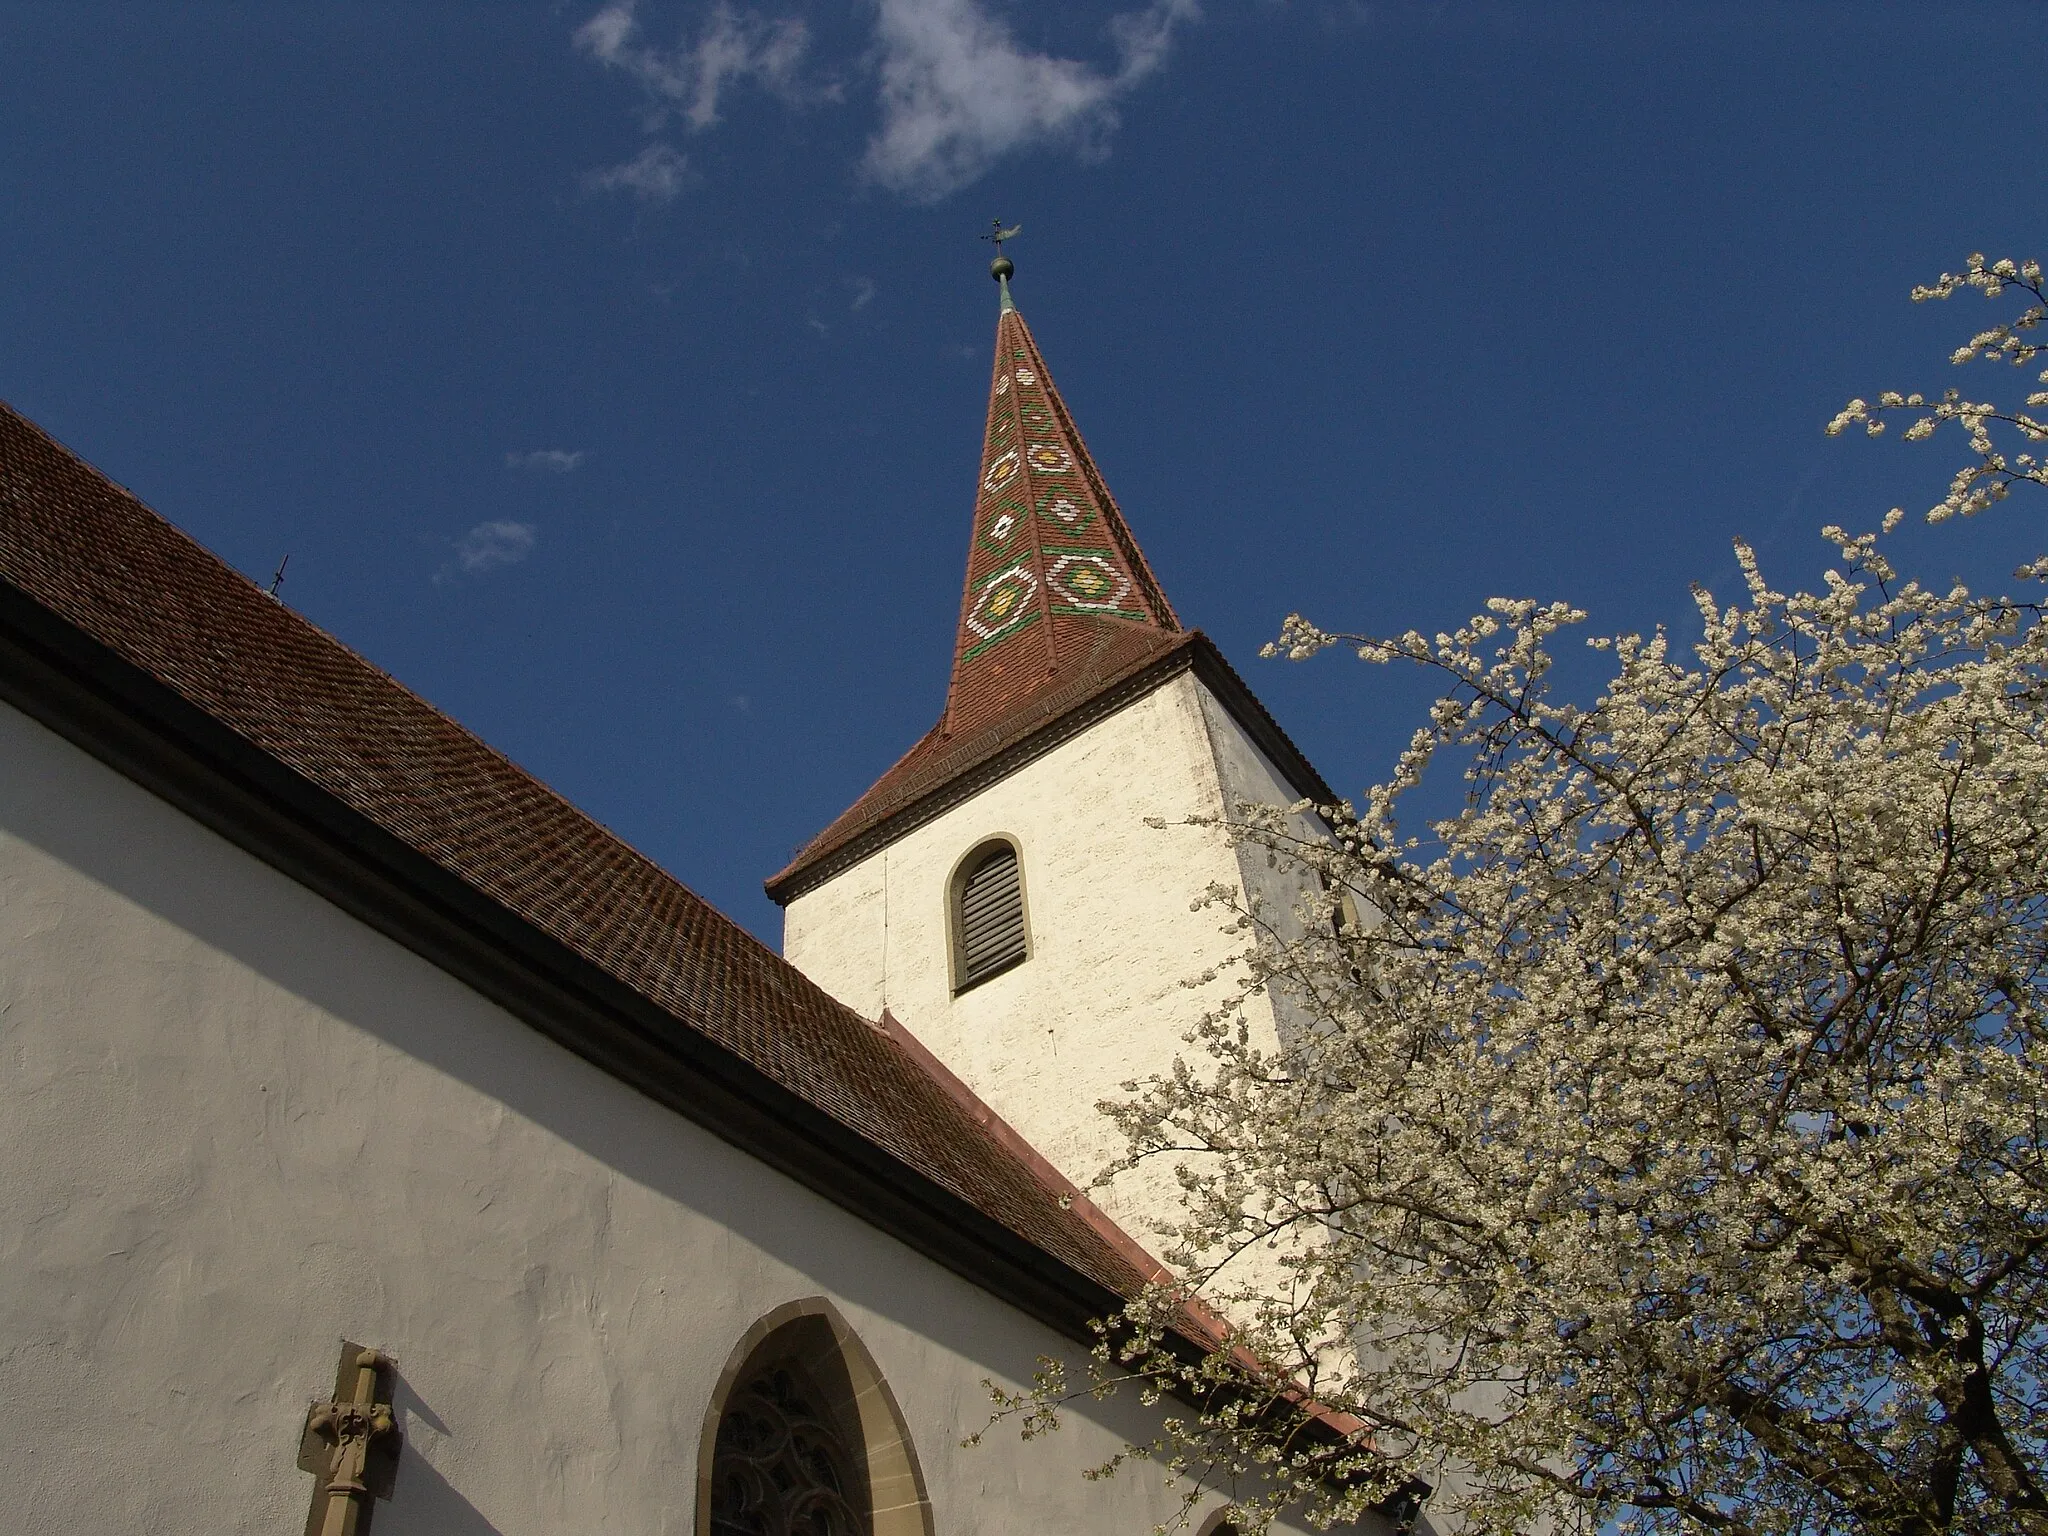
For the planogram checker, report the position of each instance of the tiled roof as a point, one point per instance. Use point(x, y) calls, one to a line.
point(1054, 577)
point(1059, 605)
point(78, 547)
point(1061, 617)
point(940, 760)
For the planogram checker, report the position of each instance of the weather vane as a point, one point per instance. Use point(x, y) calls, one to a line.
point(1002, 267)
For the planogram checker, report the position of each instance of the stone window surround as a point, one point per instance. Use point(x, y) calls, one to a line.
point(813, 1331)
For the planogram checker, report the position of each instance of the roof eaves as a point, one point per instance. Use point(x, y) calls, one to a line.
point(125, 636)
point(1235, 694)
point(829, 854)
point(142, 728)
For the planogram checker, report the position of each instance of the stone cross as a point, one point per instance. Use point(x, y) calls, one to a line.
point(350, 1443)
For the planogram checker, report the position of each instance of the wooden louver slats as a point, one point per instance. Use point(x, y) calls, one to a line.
point(991, 917)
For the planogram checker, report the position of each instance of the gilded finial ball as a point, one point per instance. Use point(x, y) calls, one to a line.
point(1001, 268)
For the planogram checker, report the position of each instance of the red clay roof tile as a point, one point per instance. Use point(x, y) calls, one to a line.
point(1060, 615)
point(1053, 574)
point(1059, 604)
point(90, 553)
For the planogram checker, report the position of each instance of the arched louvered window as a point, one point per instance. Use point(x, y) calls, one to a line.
point(989, 934)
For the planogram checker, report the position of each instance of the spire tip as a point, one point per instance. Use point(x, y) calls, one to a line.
point(1002, 269)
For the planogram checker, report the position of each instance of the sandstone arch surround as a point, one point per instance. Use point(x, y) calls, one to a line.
point(813, 1332)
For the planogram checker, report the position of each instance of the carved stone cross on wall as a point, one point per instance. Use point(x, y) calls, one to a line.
point(350, 1443)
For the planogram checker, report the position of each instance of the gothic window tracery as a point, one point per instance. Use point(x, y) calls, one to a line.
point(782, 1466)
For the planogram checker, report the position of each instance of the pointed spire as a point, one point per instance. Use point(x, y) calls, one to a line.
point(1054, 577)
point(1059, 613)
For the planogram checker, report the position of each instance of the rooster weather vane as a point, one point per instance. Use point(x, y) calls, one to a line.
point(1002, 266)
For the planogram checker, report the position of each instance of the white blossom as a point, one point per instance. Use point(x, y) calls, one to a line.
point(1668, 1152)
point(1977, 485)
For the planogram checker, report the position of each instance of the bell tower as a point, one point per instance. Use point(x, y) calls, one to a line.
point(1018, 891)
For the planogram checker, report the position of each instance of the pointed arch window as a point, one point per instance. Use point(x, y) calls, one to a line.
point(803, 1437)
point(990, 934)
point(782, 1466)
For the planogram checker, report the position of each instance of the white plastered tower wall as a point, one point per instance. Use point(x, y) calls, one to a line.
point(1112, 900)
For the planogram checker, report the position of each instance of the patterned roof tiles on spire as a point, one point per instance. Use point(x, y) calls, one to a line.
point(1054, 577)
point(1061, 618)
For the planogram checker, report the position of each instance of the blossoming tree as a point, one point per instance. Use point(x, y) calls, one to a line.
point(1664, 1145)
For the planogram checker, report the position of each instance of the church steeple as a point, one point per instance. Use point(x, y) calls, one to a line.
point(1054, 577)
point(1022, 892)
point(1061, 622)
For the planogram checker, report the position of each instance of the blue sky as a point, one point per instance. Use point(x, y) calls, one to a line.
point(613, 375)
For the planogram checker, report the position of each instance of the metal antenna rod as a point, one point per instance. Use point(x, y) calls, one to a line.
point(277, 580)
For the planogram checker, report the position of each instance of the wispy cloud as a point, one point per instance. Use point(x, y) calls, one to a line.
point(557, 461)
point(490, 545)
point(863, 293)
point(657, 174)
point(733, 46)
point(958, 92)
point(955, 90)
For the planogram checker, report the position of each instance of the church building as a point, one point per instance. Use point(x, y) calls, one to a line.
point(385, 1143)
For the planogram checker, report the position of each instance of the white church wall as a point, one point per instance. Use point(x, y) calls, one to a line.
point(1276, 885)
point(841, 940)
point(236, 1126)
point(1108, 900)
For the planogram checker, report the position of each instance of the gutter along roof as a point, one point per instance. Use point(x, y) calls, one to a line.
point(123, 634)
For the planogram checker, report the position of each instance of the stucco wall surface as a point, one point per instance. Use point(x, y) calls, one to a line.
point(1109, 899)
point(1276, 885)
point(237, 1126)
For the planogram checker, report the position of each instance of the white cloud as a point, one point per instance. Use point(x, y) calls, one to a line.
point(689, 78)
point(490, 545)
point(1143, 37)
point(958, 93)
point(656, 175)
point(553, 460)
point(863, 292)
point(955, 90)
